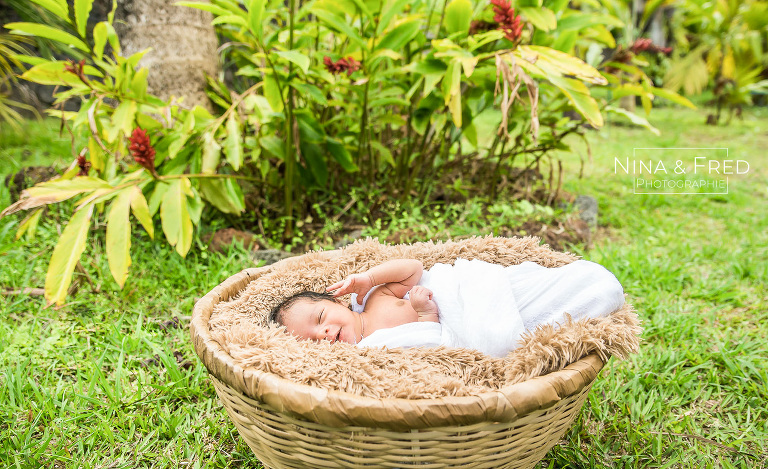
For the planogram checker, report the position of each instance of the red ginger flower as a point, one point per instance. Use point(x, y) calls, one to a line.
point(84, 165)
point(349, 65)
point(142, 150)
point(504, 15)
point(644, 44)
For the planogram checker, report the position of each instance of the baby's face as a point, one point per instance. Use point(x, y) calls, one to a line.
point(323, 319)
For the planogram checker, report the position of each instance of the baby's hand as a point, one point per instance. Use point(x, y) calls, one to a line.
point(421, 301)
point(355, 283)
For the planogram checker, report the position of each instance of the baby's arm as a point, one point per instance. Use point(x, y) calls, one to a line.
point(421, 301)
point(397, 275)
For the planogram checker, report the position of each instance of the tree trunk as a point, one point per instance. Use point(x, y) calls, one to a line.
point(183, 45)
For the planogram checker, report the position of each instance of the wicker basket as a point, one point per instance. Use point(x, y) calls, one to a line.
point(290, 425)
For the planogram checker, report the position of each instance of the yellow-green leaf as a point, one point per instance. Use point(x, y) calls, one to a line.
point(211, 154)
point(99, 39)
point(233, 147)
point(579, 96)
point(56, 7)
point(141, 211)
point(458, 15)
point(540, 17)
point(451, 81)
point(119, 236)
point(47, 32)
point(634, 118)
point(66, 254)
point(175, 218)
point(124, 116)
point(556, 63)
point(29, 224)
point(224, 194)
point(256, 17)
point(82, 11)
point(455, 107)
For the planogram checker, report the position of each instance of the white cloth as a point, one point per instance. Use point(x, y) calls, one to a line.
point(488, 307)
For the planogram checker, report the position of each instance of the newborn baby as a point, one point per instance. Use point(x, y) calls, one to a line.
point(392, 298)
point(470, 303)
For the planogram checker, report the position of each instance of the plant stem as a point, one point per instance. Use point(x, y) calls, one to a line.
point(290, 161)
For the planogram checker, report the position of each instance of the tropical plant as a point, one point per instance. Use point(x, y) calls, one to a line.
point(10, 45)
point(142, 156)
point(723, 46)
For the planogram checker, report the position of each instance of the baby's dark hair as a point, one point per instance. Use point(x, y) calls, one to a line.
point(278, 312)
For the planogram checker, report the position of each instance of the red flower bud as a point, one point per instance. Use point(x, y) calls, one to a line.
point(84, 165)
point(508, 22)
point(142, 150)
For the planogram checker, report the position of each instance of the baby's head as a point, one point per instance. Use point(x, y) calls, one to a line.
point(318, 316)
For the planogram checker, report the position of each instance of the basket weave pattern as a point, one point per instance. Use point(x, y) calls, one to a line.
point(280, 441)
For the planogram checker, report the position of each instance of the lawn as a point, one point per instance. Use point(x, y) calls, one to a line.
point(110, 379)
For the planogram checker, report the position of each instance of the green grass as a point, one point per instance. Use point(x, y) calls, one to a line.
point(96, 383)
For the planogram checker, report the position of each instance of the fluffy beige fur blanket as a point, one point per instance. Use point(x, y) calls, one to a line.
point(241, 327)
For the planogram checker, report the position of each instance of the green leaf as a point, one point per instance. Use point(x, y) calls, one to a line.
point(52, 73)
point(183, 135)
point(82, 11)
point(114, 41)
point(99, 39)
point(339, 24)
point(579, 21)
point(401, 35)
point(273, 145)
point(139, 83)
point(56, 7)
point(578, 94)
point(384, 152)
point(458, 15)
point(224, 194)
point(296, 57)
point(313, 155)
point(211, 154)
point(672, 96)
point(233, 146)
point(392, 9)
point(141, 211)
point(256, 9)
point(157, 197)
point(634, 118)
point(124, 116)
point(175, 218)
point(65, 256)
point(29, 224)
point(209, 7)
point(312, 91)
point(272, 92)
point(452, 81)
point(62, 190)
point(540, 17)
point(340, 154)
point(47, 32)
point(454, 106)
point(119, 236)
point(231, 19)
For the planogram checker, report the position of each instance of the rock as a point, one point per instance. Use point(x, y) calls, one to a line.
point(222, 239)
point(269, 256)
point(587, 207)
point(348, 238)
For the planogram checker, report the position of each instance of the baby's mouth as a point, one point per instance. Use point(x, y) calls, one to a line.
point(338, 335)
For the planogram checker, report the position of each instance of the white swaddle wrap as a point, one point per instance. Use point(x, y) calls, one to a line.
point(487, 307)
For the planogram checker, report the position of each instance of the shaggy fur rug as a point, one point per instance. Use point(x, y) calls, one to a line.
point(242, 328)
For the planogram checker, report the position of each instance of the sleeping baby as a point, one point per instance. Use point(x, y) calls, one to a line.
point(471, 303)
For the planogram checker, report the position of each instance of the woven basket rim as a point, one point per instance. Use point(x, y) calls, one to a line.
point(342, 409)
